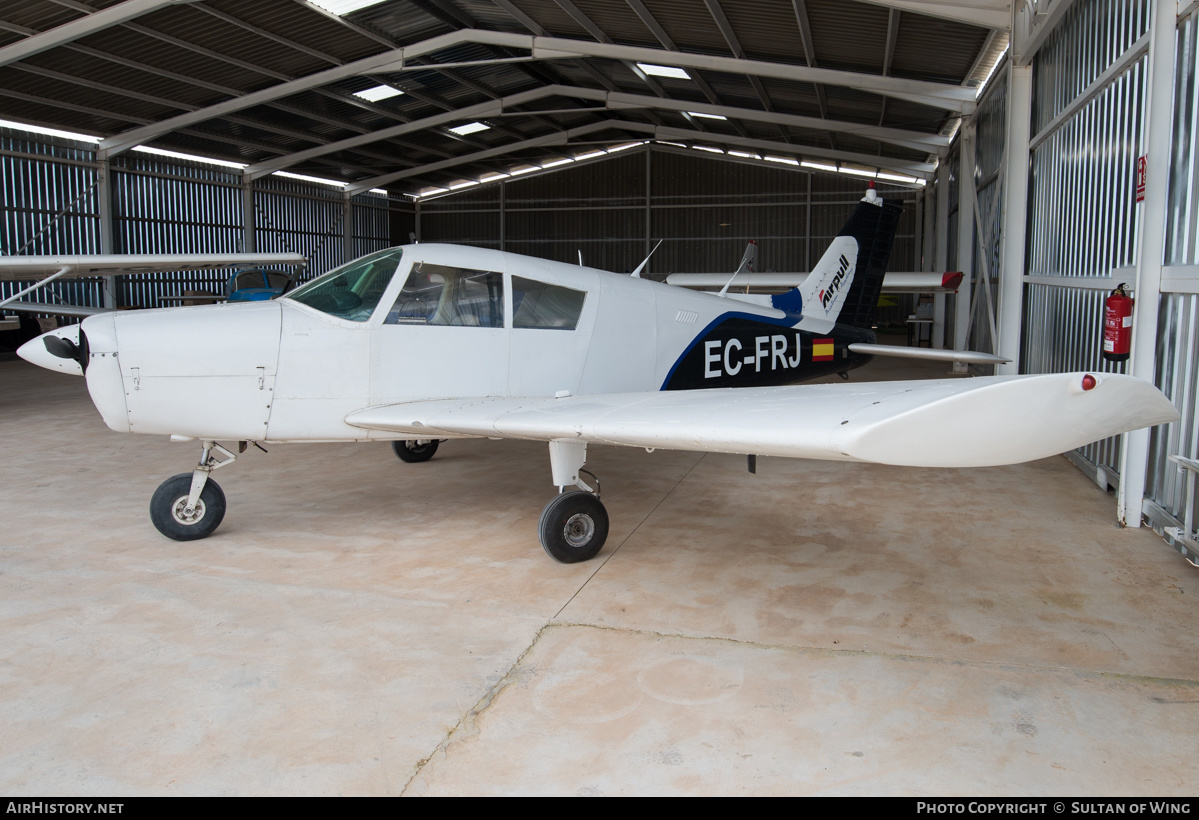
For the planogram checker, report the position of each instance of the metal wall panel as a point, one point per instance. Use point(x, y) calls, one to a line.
point(1084, 220)
point(1178, 377)
point(293, 216)
point(174, 206)
point(49, 206)
point(372, 225)
point(704, 209)
point(1090, 37)
point(1182, 221)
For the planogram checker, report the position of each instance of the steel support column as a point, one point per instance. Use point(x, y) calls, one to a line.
point(962, 315)
point(942, 252)
point(249, 240)
point(649, 169)
point(1015, 210)
point(930, 217)
point(1134, 446)
point(347, 227)
point(919, 231)
point(107, 235)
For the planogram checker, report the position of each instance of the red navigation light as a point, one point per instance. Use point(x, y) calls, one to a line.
point(1088, 382)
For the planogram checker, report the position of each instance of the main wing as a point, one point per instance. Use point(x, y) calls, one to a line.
point(940, 423)
point(23, 268)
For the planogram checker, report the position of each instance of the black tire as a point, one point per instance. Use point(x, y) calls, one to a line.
point(413, 453)
point(166, 509)
point(573, 527)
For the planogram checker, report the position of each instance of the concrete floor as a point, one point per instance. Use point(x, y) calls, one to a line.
point(363, 626)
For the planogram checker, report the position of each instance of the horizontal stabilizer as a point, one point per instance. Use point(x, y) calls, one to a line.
point(941, 423)
point(899, 282)
point(928, 354)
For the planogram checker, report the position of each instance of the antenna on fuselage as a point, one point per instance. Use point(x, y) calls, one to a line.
point(747, 265)
point(580, 257)
point(636, 274)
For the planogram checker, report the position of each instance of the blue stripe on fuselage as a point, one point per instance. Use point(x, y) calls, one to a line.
point(789, 302)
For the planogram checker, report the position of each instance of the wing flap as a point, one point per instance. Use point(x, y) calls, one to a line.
point(941, 423)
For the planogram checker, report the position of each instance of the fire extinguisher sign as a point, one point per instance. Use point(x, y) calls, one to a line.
point(1142, 173)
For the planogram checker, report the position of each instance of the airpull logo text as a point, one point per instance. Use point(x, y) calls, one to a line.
point(769, 353)
point(828, 294)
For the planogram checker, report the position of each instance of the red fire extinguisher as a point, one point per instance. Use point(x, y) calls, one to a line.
point(1117, 325)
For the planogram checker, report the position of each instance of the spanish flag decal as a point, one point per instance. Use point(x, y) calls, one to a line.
point(822, 350)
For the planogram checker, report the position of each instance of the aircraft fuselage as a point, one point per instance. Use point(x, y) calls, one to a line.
point(287, 371)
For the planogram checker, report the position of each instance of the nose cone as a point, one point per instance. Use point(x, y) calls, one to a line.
point(62, 350)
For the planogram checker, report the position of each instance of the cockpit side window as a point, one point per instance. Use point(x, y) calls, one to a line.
point(445, 295)
point(540, 305)
point(353, 290)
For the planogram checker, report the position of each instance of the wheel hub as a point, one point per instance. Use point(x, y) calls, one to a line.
point(180, 513)
point(579, 530)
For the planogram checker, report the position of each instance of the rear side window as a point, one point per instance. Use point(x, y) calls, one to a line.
point(444, 295)
point(536, 304)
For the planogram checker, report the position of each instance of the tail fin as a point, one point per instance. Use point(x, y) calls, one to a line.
point(846, 282)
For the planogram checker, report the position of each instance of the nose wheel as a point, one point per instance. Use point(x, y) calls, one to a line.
point(172, 516)
point(573, 527)
point(190, 506)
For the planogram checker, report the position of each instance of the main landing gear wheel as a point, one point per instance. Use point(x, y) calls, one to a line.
point(168, 509)
point(573, 527)
point(414, 452)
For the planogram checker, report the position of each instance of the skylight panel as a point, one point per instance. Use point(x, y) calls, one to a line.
point(664, 71)
point(190, 157)
point(50, 132)
point(379, 92)
point(306, 178)
point(344, 7)
point(469, 128)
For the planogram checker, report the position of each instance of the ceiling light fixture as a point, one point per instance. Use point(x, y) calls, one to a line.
point(664, 71)
point(379, 92)
point(469, 128)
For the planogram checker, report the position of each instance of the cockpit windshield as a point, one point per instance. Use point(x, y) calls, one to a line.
point(353, 290)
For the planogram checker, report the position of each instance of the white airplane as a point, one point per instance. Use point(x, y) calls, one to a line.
point(421, 343)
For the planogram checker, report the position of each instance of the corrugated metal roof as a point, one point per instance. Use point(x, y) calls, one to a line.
point(186, 57)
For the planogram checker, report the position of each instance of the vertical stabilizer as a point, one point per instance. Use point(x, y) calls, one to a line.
point(845, 284)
